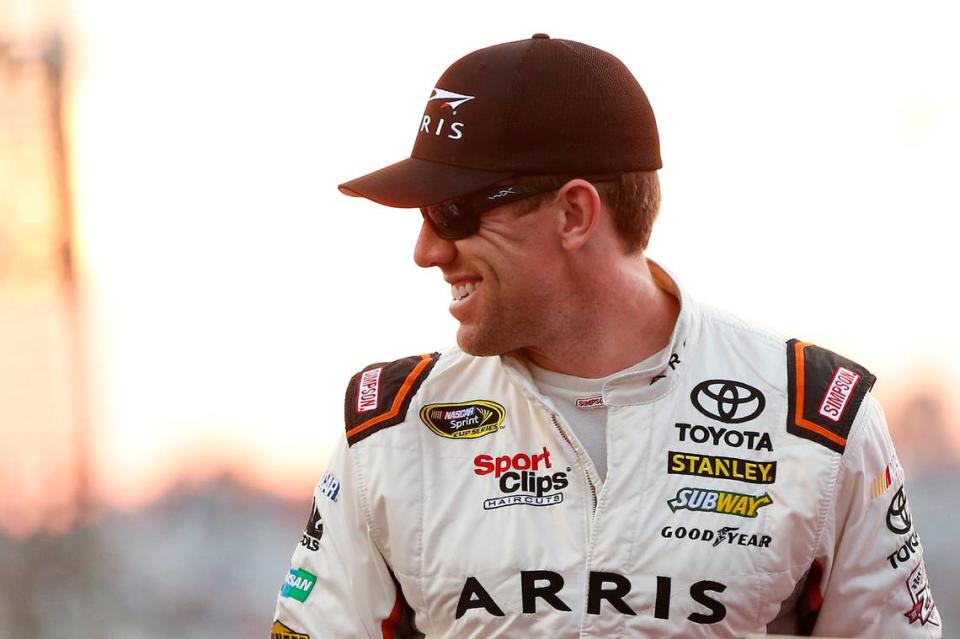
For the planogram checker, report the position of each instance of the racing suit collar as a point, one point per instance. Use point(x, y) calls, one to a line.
point(639, 386)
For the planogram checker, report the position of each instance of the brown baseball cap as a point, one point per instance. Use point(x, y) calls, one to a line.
point(531, 107)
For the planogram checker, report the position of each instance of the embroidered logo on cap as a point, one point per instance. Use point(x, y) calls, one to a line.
point(453, 100)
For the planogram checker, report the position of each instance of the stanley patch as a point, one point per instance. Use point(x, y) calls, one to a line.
point(719, 501)
point(748, 470)
point(825, 391)
point(280, 631)
point(379, 396)
point(463, 420)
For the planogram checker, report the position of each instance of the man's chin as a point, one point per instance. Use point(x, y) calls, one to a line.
point(477, 343)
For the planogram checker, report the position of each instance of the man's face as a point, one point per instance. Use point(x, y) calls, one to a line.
point(505, 279)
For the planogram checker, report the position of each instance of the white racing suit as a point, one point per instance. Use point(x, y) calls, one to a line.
point(752, 487)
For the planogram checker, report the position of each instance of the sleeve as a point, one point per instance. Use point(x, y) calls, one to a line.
point(873, 582)
point(339, 585)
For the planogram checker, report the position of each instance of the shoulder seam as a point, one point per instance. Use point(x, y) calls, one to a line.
point(721, 317)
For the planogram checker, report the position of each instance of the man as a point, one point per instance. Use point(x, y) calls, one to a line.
point(600, 456)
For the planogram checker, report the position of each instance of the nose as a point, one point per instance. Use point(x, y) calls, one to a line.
point(431, 249)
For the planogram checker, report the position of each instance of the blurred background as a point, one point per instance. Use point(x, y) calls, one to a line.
point(184, 294)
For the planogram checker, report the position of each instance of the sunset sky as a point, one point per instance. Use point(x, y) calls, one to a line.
point(810, 163)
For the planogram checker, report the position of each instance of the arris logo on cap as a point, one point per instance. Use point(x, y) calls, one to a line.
point(451, 101)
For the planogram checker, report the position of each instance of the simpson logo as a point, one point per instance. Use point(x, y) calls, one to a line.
point(463, 420)
point(838, 393)
point(298, 585)
point(594, 401)
point(882, 482)
point(923, 610)
point(718, 501)
point(754, 472)
point(521, 480)
point(280, 631)
point(727, 535)
point(368, 395)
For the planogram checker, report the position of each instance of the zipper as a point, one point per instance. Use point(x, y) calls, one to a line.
point(593, 511)
point(576, 450)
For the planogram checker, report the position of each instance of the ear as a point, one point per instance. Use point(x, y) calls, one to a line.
point(578, 212)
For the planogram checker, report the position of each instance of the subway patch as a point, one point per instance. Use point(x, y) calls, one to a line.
point(718, 501)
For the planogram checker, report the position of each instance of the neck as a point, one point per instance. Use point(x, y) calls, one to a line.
point(620, 317)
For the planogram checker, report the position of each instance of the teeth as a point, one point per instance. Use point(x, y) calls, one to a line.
point(460, 292)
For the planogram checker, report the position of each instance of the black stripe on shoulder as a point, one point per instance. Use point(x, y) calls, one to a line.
point(378, 396)
point(824, 391)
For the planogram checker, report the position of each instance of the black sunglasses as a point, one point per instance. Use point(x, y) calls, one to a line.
point(460, 217)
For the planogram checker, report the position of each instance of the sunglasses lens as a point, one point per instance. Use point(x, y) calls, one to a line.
point(451, 220)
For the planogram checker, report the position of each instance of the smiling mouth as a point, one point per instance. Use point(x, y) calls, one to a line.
point(459, 292)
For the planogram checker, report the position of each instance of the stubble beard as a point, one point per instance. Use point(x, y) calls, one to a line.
point(503, 326)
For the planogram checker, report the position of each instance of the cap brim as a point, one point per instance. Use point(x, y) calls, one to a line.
point(413, 183)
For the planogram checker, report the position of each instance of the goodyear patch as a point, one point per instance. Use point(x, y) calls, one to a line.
point(463, 420)
point(748, 470)
point(719, 501)
point(280, 631)
point(825, 391)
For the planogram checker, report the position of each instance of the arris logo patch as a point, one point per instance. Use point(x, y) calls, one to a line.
point(443, 124)
point(451, 100)
point(463, 420)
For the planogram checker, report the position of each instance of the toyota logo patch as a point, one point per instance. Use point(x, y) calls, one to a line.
point(899, 521)
point(728, 401)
